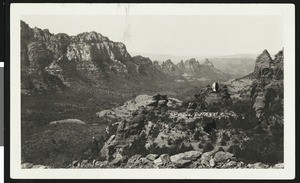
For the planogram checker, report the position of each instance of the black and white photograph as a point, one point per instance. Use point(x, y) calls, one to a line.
point(153, 88)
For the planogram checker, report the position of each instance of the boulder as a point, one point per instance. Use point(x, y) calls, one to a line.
point(83, 162)
point(134, 159)
point(153, 103)
point(173, 102)
point(158, 161)
point(40, 167)
point(75, 163)
point(164, 159)
point(278, 166)
point(189, 155)
point(240, 164)
point(101, 164)
point(182, 163)
point(258, 165)
point(118, 160)
point(152, 157)
point(105, 113)
point(26, 165)
point(222, 157)
point(230, 164)
point(144, 161)
point(212, 162)
point(205, 158)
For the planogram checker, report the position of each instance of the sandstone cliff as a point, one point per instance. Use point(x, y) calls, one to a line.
point(54, 61)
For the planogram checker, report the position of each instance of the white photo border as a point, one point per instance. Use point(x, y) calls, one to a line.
point(287, 11)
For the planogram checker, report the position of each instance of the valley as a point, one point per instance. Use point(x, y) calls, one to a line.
point(141, 113)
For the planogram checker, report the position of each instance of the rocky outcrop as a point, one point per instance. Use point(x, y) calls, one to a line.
point(267, 67)
point(264, 60)
point(140, 102)
point(267, 89)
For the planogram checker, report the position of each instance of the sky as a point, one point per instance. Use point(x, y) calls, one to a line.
point(203, 35)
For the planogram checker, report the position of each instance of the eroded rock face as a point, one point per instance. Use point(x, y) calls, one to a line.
point(88, 58)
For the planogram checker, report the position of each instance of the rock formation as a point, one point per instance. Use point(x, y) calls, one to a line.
point(192, 69)
point(265, 66)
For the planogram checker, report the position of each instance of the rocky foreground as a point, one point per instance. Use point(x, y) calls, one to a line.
point(155, 132)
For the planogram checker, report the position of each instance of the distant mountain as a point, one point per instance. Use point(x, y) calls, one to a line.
point(176, 58)
point(52, 62)
point(236, 65)
point(192, 68)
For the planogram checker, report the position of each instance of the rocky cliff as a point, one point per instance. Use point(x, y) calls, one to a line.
point(54, 61)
